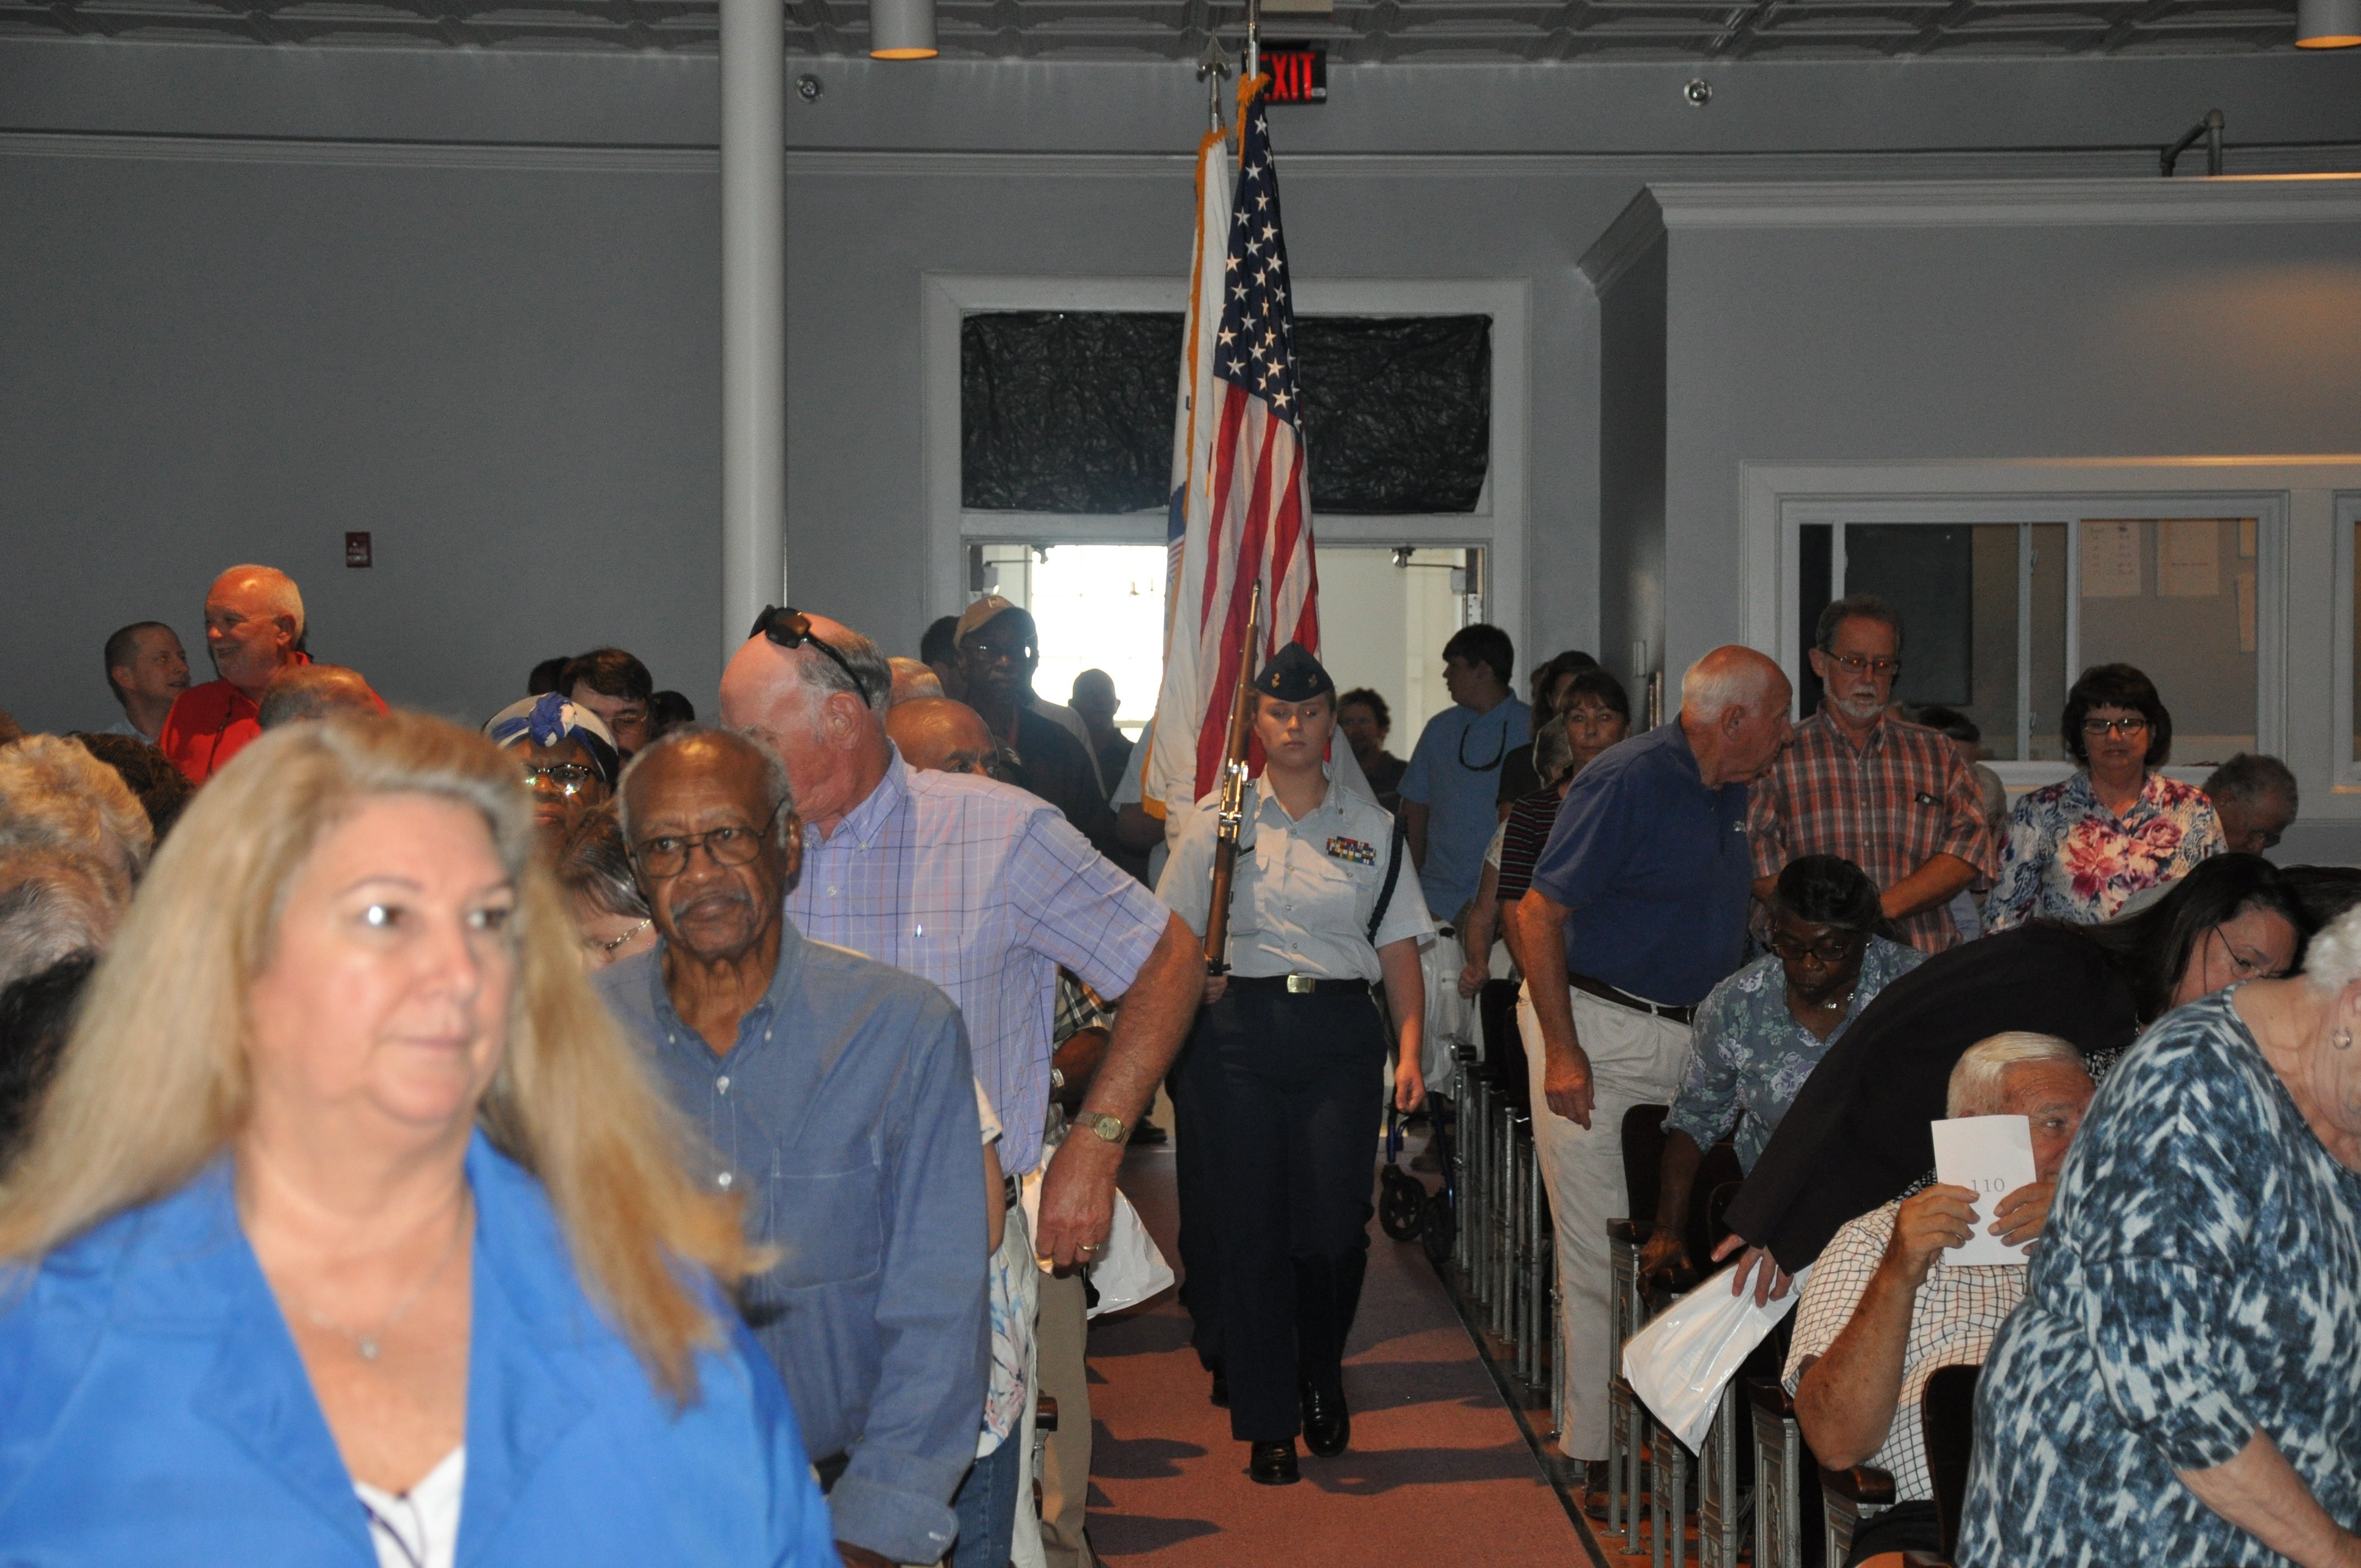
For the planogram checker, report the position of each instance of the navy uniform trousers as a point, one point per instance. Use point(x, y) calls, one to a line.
point(1278, 1101)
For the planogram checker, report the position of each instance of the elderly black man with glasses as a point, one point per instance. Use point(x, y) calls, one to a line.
point(834, 1097)
point(1893, 798)
point(2079, 850)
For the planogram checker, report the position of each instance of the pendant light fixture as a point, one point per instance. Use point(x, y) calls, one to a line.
point(904, 29)
point(2327, 23)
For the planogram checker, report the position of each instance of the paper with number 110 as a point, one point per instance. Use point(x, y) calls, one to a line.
point(1992, 1157)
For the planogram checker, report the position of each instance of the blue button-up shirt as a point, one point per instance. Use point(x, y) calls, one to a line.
point(1455, 773)
point(1751, 1056)
point(985, 890)
point(845, 1114)
point(1653, 870)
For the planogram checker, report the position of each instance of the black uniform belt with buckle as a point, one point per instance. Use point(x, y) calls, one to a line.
point(1606, 992)
point(1296, 984)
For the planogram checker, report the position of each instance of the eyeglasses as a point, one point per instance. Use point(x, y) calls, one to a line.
point(667, 854)
point(570, 778)
point(791, 628)
point(993, 652)
point(2245, 966)
point(1829, 951)
point(1853, 663)
point(609, 947)
point(2102, 727)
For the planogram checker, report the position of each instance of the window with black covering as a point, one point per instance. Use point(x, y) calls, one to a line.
point(1072, 411)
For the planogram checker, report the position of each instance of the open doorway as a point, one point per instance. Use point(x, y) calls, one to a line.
point(1385, 613)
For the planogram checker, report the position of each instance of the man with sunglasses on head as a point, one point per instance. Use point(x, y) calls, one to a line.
point(986, 891)
point(980, 887)
point(1893, 798)
point(832, 1094)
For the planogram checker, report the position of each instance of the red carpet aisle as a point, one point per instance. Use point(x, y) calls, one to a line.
point(1437, 1471)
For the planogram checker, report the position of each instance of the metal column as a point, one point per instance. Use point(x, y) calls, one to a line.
point(754, 312)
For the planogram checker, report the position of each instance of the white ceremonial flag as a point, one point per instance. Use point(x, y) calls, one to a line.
point(1992, 1157)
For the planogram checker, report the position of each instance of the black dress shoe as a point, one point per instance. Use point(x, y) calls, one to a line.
point(1221, 1390)
point(1595, 1487)
point(1328, 1424)
point(1273, 1464)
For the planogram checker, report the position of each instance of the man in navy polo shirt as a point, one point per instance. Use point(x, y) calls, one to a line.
point(1638, 908)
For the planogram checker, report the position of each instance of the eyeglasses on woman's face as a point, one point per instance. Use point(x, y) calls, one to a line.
point(2098, 729)
point(1829, 951)
point(569, 779)
point(666, 855)
point(2246, 962)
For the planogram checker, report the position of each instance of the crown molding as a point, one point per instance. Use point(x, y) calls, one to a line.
point(1660, 209)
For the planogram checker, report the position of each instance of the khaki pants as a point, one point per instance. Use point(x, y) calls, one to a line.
point(1635, 1060)
point(1062, 1329)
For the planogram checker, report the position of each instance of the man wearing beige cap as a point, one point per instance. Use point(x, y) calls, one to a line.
point(999, 647)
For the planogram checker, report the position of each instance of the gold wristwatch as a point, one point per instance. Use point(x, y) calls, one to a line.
point(1109, 1128)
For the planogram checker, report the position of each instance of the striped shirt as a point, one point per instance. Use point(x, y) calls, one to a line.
point(985, 890)
point(1953, 1319)
point(1888, 808)
point(1521, 837)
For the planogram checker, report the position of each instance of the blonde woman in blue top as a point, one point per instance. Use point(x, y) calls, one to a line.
point(351, 1232)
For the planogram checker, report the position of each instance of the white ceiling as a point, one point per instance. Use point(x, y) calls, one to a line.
point(1360, 31)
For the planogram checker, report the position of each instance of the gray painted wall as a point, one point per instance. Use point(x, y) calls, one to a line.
point(1804, 344)
point(1631, 430)
point(252, 297)
point(507, 377)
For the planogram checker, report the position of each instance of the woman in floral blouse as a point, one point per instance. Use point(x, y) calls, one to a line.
point(2080, 849)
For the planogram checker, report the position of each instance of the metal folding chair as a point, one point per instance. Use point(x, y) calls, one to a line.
point(1778, 1462)
point(1721, 1506)
point(1627, 1418)
point(1849, 1497)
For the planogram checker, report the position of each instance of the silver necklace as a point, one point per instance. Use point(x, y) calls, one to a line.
point(371, 1342)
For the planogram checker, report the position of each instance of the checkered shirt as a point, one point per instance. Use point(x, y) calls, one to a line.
point(985, 891)
point(1953, 1317)
point(1888, 808)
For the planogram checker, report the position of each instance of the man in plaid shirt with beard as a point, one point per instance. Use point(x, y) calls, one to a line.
point(1892, 798)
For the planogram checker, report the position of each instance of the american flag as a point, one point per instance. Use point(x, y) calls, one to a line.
point(1242, 501)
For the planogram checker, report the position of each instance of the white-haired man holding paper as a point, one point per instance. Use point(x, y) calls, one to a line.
point(1884, 1311)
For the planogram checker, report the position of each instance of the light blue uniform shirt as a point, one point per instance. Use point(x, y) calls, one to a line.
point(1456, 774)
point(153, 1410)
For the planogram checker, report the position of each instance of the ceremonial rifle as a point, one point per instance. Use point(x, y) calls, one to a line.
point(1234, 797)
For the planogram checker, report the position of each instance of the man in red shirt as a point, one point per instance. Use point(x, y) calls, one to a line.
point(254, 620)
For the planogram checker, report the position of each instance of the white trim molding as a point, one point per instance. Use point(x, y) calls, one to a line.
point(1497, 524)
point(1930, 203)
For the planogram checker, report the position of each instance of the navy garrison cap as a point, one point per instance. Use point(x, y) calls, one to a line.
point(1293, 675)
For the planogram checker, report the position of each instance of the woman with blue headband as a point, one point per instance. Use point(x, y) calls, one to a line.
point(568, 756)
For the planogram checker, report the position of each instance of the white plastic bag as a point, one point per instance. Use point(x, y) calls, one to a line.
point(1451, 1020)
point(1128, 1270)
point(1131, 1268)
point(1678, 1364)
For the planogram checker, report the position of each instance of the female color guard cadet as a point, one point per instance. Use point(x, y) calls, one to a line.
point(1279, 1093)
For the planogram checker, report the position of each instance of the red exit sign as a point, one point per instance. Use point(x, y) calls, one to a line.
point(1299, 72)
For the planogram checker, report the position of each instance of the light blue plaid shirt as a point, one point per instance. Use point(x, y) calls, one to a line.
point(985, 890)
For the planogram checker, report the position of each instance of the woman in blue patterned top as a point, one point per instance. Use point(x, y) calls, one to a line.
point(1761, 1032)
point(2181, 1384)
point(2080, 849)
